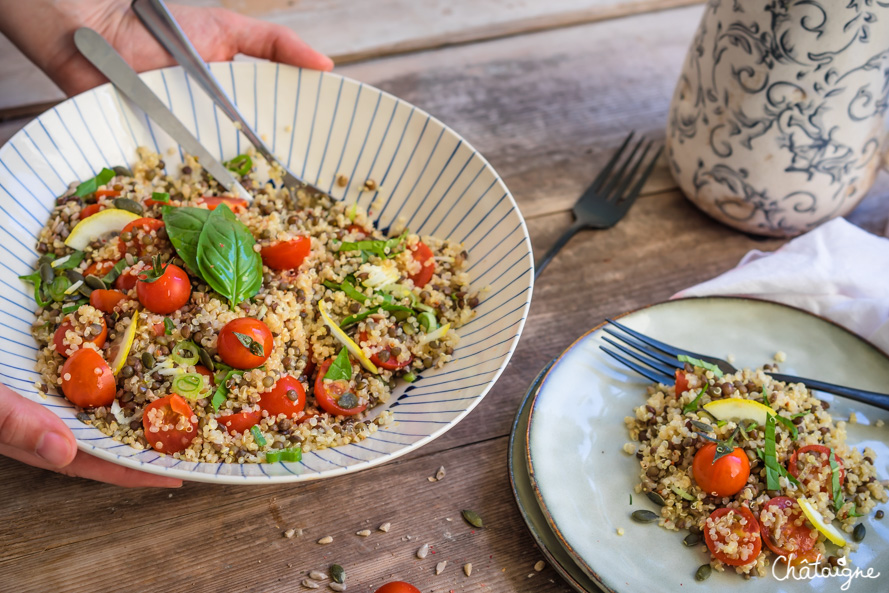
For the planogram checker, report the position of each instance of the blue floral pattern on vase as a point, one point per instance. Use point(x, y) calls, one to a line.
point(777, 123)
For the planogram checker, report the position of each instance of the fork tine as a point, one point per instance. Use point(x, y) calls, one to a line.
point(653, 363)
point(621, 190)
point(606, 170)
point(645, 372)
point(638, 187)
point(618, 176)
point(670, 361)
point(666, 348)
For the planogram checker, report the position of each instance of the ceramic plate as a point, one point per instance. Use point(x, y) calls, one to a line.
point(520, 479)
point(321, 125)
point(583, 479)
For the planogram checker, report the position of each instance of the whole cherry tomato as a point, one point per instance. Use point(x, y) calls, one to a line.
point(170, 424)
point(245, 343)
point(286, 255)
point(287, 397)
point(424, 256)
point(106, 300)
point(87, 380)
point(748, 535)
point(328, 393)
point(725, 476)
point(138, 227)
point(240, 422)
point(793, 535)
point(397, 587)
point(68, 325)
point(163, 290)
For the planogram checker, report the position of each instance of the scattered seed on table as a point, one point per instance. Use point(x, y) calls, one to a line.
point(363, 532)
point(467, 568)
point(385, 527)
point(431, 478)
point(325, 540)
point(439, 568)
point(310, 584)
point(317, 575)
point(440, 474)
point(540, 565)
point(337, 586)
point(337, 574)
point(472, 518)
point(289, 533)
point(423, 551)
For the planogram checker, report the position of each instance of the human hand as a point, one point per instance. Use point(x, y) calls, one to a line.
point(44, 29)
point(34, 435)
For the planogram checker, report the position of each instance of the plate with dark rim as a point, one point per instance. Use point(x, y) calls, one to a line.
point(583, 480)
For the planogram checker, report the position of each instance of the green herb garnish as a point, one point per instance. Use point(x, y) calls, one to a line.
point(168, 326)
point(257, 436)
point(91, 185)
point(184, 226)
point(770, 458)
point(383, 249)
point(69, 262)
point(240, 165)
point(250, 344)
point(160, 196)
point(838, 499)
point(222, 390)
point(353, 319)
point(39, 293)
point(702, 364)
point(682, 493)
point(347, 287)
point(341, 367)
point(75, 306)
point(225, 257)
point(788, 423)
point(693, 404)
point(189, 385)
point(428, 321)
point(114, 273)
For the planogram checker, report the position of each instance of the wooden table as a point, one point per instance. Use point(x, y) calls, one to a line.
point(546, 91)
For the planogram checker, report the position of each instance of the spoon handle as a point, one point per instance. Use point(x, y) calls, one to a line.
point(104, 57)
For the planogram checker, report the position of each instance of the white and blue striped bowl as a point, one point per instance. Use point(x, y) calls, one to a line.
point(321, 125)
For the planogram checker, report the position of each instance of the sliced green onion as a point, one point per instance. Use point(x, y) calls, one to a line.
point(347, 287)
point(160, 196)
point(222, 390)
point(682, 493)
point(702, 364)
point(91, 185)
point(771, 460)
point(168, 326)
point(240, 165)
point(37, 281)
point(273, 456)
point(185, 353)
point(57, 288)
point(189, 385)
point(693, 404)
point(837, 490)
point(383, 249)
point(353, 319)
point(436, 335)
point(352, 212)
point(292, 455)
point(257, 436)
point(427, 321)
point(409, 377)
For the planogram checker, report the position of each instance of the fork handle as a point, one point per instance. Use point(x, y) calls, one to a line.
point(566, 236)
point(880, 400)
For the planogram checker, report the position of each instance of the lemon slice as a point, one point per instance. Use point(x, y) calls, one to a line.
point(120, 347)
point(346, 341)
point(814, 517)
point(99, 224)
point(738, 409)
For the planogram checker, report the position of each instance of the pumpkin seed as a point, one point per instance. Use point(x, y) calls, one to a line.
point(128, 205)
point(206, 359)
point(472, 518)
point(47, 274)
point(348, 401)
point(122, 171)
point(703, 572)
point(859, 532)
point(74, 276)
point(338, 573)
point(85, 290)
point(147, 360)
point(644, 516)
point(702, 425)
point(655, 498)
point(95, 282)
point(691, 540)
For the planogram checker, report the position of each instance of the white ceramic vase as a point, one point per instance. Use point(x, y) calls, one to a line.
point(778, 121)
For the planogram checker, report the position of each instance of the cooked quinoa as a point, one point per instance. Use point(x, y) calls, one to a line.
point(666, 441)
point(288, 303)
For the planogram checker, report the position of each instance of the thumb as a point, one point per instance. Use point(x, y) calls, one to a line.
point(33, 434)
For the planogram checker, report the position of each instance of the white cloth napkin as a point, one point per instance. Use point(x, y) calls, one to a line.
point(837, 270)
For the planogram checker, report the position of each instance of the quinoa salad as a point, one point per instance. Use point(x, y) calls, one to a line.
point(179, 318)
point(755, 469)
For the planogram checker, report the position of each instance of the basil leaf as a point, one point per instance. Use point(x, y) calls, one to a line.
point(771, 460)
point(91, 185)
point(383, 249)
point(72, 262)
point(341, 368)
point(250, 344)
point(693, 404)
point(838, 500)
point(347, 287)
point(702, 364)
point(353, 319)
point(794, 431)
point(226, 259)
point(184, 226)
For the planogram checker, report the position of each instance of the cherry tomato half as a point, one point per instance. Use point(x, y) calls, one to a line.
point(287, 397)
point(390, 364)
point(170, 424)
point(286, 255)
point(202, 370)
point(328, 394)
point(127, 279)
point(748, 535)
point(235, 204)
point(106, 300)
point(99, 268)
point(797, 466)
point(397, 587)
point(725, 476)
point(89, 210)
point(87, 380)
point(357, 229)
point(135, 228)
point(240, 422)
point(235, 353)
point(68, 325)
point(107, 193)
point(166, 294)
point(681, 382)
point(424, 256)
point(794, 535)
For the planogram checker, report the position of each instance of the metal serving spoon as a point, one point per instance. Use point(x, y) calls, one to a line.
point(104, 57)
point(160, 23)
